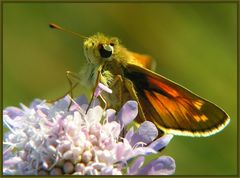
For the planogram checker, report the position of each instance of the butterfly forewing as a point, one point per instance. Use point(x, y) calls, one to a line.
point(173, 108)
point(141, 60)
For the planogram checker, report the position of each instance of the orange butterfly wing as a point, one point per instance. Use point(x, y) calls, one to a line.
point(140, 60)
point(173, 108)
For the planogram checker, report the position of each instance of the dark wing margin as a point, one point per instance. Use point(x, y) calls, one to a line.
point(173, 108)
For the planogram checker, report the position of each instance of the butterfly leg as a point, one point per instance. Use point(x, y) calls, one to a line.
point(94, 89)
point(132, 92)
point(69, 74)
point(104, 101)
point(90, 103)
point(118, 80)
point(141, 118)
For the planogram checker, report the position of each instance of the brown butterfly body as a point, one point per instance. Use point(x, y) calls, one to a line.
point(173, 108)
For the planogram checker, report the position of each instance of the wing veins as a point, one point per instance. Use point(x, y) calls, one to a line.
point(170, 113)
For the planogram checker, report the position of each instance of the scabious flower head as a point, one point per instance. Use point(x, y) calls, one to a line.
point(53, 139)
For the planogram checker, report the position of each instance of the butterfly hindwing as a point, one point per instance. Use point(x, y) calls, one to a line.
point(173, 108)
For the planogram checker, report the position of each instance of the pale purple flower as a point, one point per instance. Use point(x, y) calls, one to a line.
point(53, 139)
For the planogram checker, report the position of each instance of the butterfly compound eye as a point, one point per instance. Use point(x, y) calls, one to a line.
point(105, 50)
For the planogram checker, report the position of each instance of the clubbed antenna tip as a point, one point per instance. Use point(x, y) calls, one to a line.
point(52, 25)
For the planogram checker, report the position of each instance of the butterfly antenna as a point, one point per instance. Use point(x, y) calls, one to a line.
point(52, 25)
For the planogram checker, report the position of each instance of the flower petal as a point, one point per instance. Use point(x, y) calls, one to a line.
point(13, 112)
point(123, 151)
point(61, 105)
point(164, 165)
point(136, 165)
point(128, 112)
point(147, 131)
point(101, 88)
point(110, 114)
point(161, 142)
point(129, 135)
point(143, 151)
point(81, 100)
point(94, 114)
point(12, 161)
point(35, 103)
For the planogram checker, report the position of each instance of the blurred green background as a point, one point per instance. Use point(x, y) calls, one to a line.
point(194, 44)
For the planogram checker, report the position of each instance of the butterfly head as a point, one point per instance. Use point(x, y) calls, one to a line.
point(99, 48)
